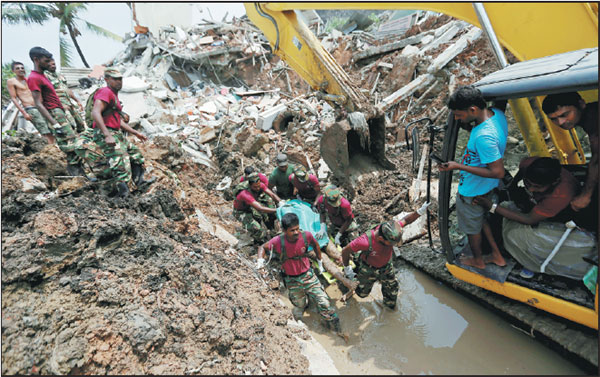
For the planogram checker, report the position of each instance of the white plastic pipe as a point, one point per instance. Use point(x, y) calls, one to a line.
point(570, 226)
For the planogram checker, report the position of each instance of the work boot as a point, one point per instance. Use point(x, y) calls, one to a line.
point(297, 313)
point(78, 171)
point(123, 190)
point(137, 175)
point(75, 170)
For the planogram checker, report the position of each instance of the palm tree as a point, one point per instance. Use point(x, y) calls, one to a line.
point(66, 13)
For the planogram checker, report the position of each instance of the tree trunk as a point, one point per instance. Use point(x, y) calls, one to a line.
point(74, 39)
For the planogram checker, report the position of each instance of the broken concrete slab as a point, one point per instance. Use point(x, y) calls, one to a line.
point(266, 118)
point(31, 185)
point(413, 231)
point(133, 84)
point(225, 236)
point(389, 47)
point(135, 105)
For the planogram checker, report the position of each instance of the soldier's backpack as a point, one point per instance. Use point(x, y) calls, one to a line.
point(239, 187)
point(89, 106)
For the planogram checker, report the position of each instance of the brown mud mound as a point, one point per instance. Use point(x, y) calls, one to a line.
point(99, 285)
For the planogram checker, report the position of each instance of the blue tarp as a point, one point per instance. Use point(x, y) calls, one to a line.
point(309, 220)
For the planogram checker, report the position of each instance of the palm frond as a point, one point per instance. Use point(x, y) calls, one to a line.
point(102, 31)
point(66, 52)
point(14, 13)
point(70, 11)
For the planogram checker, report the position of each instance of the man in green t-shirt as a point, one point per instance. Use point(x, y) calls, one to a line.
point(279, 178)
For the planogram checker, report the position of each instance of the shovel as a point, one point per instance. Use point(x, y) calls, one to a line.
point(570, 226)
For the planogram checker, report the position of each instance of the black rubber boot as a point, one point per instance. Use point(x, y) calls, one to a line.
point(137, 176)
point(78, 171)
point(122, 189)
point(137, 173)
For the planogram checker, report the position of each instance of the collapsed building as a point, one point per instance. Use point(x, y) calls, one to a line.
point(163, 283)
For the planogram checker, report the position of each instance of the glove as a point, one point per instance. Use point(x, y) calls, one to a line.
point(281, 203)
point(349, 272)
point(421, 211)
point(321, 233)
point(260, 263)
point(314, 208)
point(321, 270)
point(337, 238)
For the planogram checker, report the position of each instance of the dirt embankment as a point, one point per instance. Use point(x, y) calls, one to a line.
point(96, 285)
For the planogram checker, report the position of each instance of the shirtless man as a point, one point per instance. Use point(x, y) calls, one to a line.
point(17, 88)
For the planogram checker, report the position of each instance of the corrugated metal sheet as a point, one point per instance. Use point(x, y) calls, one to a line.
point(571, 71)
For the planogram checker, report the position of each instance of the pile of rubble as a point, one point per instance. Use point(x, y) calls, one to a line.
point(160, 283)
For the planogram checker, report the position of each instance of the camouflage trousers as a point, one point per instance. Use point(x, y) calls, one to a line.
point(112, 161)
point(308, 285)
point(64, 135)
point(255, 222)
point(73, 115)
point(39, 122)
point(367, 275)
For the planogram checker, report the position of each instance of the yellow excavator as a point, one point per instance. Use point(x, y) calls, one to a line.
point(528, 30)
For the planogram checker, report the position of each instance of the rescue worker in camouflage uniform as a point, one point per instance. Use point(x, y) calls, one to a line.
point(338, 210)
point(66, 97)
point(298, 276)
point(263, 197)
point(125, 161)
point(279, 178)
point(375, 260)
point(49, 105)
point(306, 186)
point(255, 217)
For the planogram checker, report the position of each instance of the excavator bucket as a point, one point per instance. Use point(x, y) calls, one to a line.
point(350, 149)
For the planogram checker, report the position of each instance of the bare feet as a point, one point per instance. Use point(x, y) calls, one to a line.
point(473, 262)
point(495, 259)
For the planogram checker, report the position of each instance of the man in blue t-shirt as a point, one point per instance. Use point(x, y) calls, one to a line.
point(481, 169)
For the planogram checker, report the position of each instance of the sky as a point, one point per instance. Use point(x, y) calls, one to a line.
point(116, 17)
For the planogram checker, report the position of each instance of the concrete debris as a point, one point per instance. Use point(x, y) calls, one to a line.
point(212, 99)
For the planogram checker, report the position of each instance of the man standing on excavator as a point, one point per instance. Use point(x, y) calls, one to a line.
point(107, 126)
point(481, 169)
point(374, 262)
point(568, 110)
point(298, 276)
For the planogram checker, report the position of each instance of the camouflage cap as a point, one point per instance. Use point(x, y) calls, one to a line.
point(300, 173)
point(333, 195)
point(390, 232)
point(112, 72)
point(282, 159)
point(253, 177)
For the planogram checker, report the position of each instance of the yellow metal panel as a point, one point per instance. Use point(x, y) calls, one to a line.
point(562, 308)
point(527, 30)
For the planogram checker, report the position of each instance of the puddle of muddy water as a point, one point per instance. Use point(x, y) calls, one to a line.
point(435, 330)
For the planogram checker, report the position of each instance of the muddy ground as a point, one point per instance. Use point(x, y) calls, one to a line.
point(93, 284)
